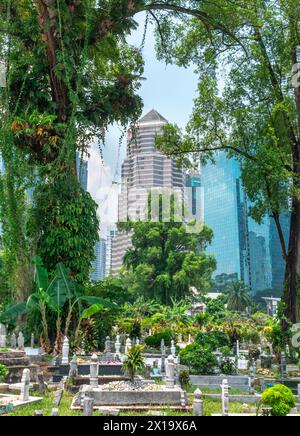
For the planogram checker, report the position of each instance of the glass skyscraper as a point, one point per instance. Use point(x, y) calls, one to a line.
point(225, 213)
point(243, 249)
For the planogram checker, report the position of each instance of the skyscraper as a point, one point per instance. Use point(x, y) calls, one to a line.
point(99, 265)
point(225, 213)
point(243, 249)
point(112, 233)
point(144, 168)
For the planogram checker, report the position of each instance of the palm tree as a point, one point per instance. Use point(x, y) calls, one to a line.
point(239, 297)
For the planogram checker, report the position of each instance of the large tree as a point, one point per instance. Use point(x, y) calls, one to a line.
point(167, 261)
point(69, 74)
point(247, 104)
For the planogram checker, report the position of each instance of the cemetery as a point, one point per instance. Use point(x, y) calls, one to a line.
point(130, 377)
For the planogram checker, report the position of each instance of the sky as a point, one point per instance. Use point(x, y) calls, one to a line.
point(168, 89)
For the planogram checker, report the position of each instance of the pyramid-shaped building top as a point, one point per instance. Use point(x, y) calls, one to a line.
point(152, 117)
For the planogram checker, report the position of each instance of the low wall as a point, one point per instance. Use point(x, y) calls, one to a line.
point(214, 381)
point(170, 397)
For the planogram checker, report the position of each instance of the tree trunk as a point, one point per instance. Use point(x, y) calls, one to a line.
point(292, 267)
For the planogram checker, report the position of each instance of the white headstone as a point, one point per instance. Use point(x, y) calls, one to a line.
point(198, 403)
point(2, 329)
point(21, 341)
point(25, 385)
point(107, 344)
point(173, 348)
point(225, 397)
point(118, 346)
point(13, 341)
point(65, 352)
point(170, 372)
point(128, 345)
point(2, 341)
point(94, 371)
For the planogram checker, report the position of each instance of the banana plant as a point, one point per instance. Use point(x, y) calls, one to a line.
point(54, 296)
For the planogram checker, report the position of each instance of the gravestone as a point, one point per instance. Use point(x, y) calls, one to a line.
point(137, 341)
point(88, 406)
point(32, 340)
point(13, 341)
point(25, 385)
point(2, 330)
point(65, 352)
point(225, 398)
point(2, 341)
point(128, 345)
point(118, 346)
point(94, 371)
point(252, 372)
point(21, 341)
point(198, 403)
point(173, 348)
point(283, 366)
point(170, 372)
point(54, 412)
point(42, 385)
point(73, 367)
point(107, 345)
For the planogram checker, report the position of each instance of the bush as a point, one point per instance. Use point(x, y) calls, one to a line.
point(280, 398)
point(227, 367)
point(154, 341)
point(3, 371)
point(200, 360)
point(213, 340)
point(184, 378)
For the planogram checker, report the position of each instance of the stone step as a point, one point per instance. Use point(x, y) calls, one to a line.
point(12, 354)
point(17, 361)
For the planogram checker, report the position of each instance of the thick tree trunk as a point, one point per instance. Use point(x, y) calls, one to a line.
point(292, 267)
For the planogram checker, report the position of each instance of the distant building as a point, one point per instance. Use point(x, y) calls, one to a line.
point(99, 265)
point(243, 249)
point(143, 170)
point(112, 233)
point(225, 212)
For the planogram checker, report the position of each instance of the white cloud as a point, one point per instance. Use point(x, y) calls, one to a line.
point(103, 191)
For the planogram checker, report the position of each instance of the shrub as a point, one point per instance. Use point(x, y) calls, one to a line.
point(200, 360)
point(3, 371)
point(213, 340)
point(227, 367)
point(155, 340)
point(226, 351)
point(280, 398)
point(184, 378)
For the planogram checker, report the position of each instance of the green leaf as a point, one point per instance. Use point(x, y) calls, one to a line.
point(61, 289)
point(40, 274)
point(13, 312)
point(92, 310)
point(99, 301)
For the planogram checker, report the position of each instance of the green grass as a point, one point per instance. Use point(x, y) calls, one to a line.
point(46, 405)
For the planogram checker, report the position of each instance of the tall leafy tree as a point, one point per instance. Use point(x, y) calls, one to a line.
point(166, 261)
point(69, 74)
point(247, 104)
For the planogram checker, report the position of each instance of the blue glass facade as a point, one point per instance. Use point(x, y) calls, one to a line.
point(243, 249)
point(225, 214)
